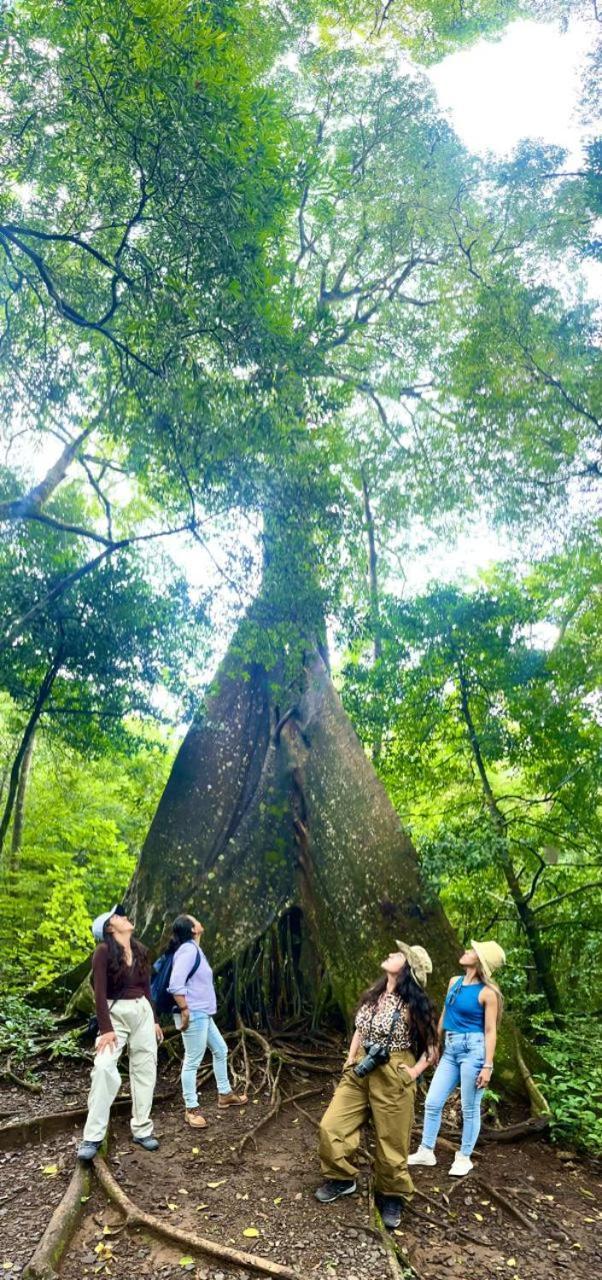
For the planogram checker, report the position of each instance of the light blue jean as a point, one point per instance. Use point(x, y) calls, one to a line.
point(460, 1063)
point(202, 1034)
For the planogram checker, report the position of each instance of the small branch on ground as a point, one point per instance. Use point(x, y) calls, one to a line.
point(505, 1203)
point(43, 1264)
point(136, 1217)
point(278, 1103)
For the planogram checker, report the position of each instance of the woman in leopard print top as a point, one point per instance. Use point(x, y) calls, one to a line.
point(397, 1014)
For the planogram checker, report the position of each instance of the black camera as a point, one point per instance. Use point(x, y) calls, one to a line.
point(377, 1055)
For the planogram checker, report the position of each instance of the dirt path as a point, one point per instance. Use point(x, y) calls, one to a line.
point(200, 1182)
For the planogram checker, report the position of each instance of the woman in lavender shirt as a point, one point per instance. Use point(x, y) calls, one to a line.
point(192, 988)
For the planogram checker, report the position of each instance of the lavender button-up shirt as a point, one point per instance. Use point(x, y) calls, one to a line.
point(199, 990)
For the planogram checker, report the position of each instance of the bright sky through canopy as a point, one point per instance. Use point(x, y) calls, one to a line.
point(525, 85)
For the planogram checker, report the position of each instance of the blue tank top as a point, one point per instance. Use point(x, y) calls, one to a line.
point(462, 1009)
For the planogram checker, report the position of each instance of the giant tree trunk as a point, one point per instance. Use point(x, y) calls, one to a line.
point(273, 816)
point(269, 808)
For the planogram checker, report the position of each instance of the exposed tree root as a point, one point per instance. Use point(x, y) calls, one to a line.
point(7, 1073)
point(136, 1217)
point(531, 1128)
point(279, 1102)
point(539, 1104)
point(381, 1231)
point(505, 1204)
point(61, 1228)
point(35, 1128)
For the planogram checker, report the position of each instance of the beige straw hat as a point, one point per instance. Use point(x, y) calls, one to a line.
point(491, 956)
point(418, 959)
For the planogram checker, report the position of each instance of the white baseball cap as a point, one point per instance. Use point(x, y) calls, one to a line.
point(99, 923)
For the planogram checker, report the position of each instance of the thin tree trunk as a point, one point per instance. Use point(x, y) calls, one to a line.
point(545, 977)
point(38, 706)
point(374, 598)
point(17, 832)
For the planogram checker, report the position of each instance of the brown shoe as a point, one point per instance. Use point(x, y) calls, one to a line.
point(232, 1100)
point(195, 1119)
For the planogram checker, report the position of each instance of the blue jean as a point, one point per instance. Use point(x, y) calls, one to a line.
point(460, 1063)
point(202, 1034)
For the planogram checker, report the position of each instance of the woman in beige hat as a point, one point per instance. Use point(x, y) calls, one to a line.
point(395, 1038)
point(470, 1018)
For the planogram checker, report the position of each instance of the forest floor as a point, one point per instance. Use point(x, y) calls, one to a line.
point(203, 1182)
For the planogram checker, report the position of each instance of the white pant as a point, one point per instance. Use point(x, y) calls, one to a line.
point(134, 1025)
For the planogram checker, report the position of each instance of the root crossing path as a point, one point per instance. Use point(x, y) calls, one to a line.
point(222, 1208)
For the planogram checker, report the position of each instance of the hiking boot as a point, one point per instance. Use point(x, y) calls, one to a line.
point(194, 1118)
point(390, 1210)
point(232, 1100)
point(149, 1143)
point(87, 1150)
point(461, 1166)
point(424, 1155)
point(332, 1188)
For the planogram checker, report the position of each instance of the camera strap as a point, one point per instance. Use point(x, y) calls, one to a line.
point(394, 1020)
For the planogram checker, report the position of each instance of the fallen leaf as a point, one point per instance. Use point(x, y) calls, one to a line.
point(251, 1232)
point(275, 1168)
point(196, 1151)
point(587, 1193)
point(479, 1217)
point(50, 1170)
point(84, 1199)
point(510, 1262)
point(182, 1191)
point(201, 1206)
point(219, 1183)
point(186, 1262)
point(278, 1200)
point(171, 1205)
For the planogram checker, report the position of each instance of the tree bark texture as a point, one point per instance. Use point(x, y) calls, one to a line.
point(42, 697)
point(265, 811)
point(17, 831)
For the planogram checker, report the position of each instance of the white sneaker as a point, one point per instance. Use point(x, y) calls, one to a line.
point(423, 1155)
point(461, 1166)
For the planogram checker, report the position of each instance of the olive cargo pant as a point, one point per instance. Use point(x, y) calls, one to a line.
point(387, 1094)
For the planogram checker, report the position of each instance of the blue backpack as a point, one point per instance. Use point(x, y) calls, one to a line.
point(162, 998)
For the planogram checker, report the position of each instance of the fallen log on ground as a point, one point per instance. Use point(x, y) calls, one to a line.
point(44, 1262)
point(135, 1217)
point(37, 1128)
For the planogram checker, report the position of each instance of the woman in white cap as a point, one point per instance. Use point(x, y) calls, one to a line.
point(471, 1015)
point(395, 1039)
point(121, 979)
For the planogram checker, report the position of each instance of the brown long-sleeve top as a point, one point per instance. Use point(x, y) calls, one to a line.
point(137, 985)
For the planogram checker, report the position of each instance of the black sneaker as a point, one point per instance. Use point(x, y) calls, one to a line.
point(333, 1188)
point(390, 1210)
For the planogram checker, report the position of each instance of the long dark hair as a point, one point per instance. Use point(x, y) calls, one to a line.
point(423, 1016)
point(181, 931)
point(117, 968)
